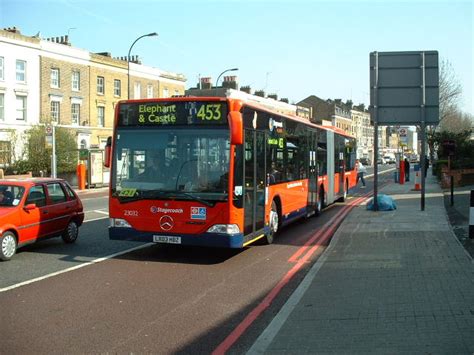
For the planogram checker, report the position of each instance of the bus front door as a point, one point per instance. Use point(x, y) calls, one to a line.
point(255, 172)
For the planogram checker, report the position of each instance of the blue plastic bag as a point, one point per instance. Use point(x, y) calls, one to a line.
point(385, 203)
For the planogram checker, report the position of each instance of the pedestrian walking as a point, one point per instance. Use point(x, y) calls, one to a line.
point(361, 170)
point(427, 164)
point(407, 170)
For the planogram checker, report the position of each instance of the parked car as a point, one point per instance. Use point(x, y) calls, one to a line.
point(365, 161)
point(34, 209)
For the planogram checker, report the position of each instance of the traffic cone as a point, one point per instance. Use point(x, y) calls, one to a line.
point(417, 181)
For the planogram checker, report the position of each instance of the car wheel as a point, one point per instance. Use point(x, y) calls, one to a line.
point(8, 246)
point(71, 233)
point(274, 221)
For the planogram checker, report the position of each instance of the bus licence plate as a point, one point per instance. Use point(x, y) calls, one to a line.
point(166, 239)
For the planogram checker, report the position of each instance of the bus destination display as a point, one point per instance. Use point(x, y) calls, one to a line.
point(173, 113)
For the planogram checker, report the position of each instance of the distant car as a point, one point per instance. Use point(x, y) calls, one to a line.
point(34, 209)
point(389, 160)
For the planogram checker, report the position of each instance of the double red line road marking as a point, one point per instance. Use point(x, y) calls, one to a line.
point(310, 247)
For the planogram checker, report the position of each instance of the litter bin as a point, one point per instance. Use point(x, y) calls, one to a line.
point(395, 176)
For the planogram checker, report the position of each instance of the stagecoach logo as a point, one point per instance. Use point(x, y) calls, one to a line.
point(198, 212)
point(272, 124)
point(166, 223)
point(154, 209)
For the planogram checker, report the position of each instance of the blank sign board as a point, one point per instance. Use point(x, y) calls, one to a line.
point(401, 83)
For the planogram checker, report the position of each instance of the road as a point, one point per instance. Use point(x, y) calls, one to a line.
point(158, 299)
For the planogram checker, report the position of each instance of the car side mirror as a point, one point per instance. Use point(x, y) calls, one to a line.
point(29, 207)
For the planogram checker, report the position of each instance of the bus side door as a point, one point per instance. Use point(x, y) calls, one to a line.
point(255, 173)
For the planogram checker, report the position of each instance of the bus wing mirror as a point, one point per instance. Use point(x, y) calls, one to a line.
point(236, 128)
point(108, 150)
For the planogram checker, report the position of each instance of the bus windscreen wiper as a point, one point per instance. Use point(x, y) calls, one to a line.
point(192, 197)
point(142, 195)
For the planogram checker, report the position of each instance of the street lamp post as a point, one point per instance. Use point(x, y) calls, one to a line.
point(225, 71)
point(128, 58)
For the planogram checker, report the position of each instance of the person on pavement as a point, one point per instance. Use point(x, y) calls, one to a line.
point(407, 170)
point(361, 170)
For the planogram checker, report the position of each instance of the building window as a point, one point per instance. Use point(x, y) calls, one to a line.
point(54, 77)
point(149, 91)
point(176, 93)
point(100, 116)
point(137, 88)
point(117, 87)
point(55, 105)
point(5, 153)
point(75, 114)
point(100, 85)
point(76, 80)
point(21, 108)
point(2, 77)
point(21, 71)
point(166, 93)
point(2, 107)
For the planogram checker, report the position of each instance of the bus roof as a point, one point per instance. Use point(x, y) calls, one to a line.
point(251, 102)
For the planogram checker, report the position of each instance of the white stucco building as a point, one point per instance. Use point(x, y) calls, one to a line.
point(19, 92)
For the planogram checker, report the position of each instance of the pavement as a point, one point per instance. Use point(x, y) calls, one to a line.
point(389, 282)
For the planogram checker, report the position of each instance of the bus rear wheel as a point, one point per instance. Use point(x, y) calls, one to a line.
point(274, 222)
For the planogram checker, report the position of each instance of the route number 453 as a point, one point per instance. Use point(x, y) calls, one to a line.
point(209, 112)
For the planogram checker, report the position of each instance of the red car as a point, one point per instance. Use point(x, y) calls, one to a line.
point(37, 208)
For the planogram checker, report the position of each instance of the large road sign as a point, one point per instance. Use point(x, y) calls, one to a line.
point(404, 87)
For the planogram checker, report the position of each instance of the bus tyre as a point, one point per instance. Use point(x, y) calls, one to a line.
point(320, 203)
point(344, 196)
point(274, 221)
point(7, 246)
point(71, 233)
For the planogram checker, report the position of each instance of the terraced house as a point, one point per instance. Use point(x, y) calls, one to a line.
point(48, 81)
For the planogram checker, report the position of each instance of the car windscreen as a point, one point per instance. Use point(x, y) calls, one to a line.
point(10, 195)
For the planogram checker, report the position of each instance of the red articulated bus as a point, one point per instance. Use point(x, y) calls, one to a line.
point(220, 172)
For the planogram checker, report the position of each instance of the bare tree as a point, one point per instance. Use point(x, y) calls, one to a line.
point(450, 91)
point(456, 122)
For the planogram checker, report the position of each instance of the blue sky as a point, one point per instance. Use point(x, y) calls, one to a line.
point(291, 48)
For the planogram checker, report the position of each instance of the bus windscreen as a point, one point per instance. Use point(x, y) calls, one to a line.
point(173, 113)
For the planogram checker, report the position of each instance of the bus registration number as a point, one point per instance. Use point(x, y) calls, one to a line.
point(166, 239)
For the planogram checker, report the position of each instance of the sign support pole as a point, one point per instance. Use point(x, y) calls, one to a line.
point(376, 133)
point(423, 132)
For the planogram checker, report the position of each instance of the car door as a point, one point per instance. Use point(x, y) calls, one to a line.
point(35, 223)
point(59, 207)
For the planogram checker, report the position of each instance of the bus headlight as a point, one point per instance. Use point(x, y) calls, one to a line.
point(224, 228)
point(119, 223)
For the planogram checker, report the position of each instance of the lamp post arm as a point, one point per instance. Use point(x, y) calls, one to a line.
point(225, 71)
point(128, 58)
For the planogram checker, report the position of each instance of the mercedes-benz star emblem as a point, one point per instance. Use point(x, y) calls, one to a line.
point(166, 223)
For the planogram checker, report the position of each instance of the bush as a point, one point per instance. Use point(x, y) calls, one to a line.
point(18, 168)
point(437, 165)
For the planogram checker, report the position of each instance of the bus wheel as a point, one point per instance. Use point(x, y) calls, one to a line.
point(274, 221)
point(344, 196)
point(320, 203)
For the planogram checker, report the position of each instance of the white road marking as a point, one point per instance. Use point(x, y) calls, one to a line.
point(102, 212)
point(74, 267)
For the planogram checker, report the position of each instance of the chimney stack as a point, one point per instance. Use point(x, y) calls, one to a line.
point(206, 83)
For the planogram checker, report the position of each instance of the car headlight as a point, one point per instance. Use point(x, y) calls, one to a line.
point(224, 228)
point(119, 223)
